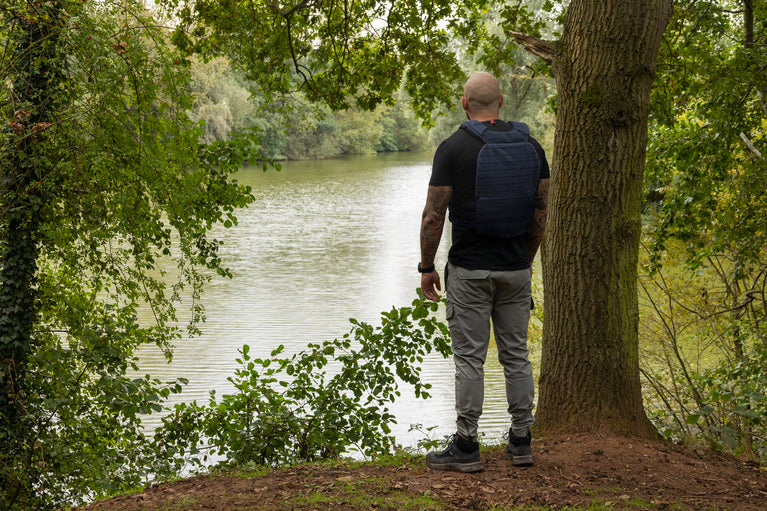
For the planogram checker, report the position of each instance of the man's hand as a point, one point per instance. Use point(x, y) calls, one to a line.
point(429, 281)
point(432, 222)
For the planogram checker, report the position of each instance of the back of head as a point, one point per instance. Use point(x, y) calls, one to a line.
point(482, 93)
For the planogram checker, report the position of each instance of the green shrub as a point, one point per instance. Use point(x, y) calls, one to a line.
point(322, 402)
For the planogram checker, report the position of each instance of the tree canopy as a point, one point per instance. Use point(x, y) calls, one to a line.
point(337, 52)
point(705, 169)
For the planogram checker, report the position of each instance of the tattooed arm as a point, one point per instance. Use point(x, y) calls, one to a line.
point(536, 229)
point(432, 223)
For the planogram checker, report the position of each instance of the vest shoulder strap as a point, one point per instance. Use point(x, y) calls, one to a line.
point(520, 133)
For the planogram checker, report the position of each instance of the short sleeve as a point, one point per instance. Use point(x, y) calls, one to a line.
point(441, 174)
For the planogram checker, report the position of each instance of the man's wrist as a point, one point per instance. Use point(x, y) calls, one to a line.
point(426, 269)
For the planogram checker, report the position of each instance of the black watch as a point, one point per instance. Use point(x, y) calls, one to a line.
point(425, 270)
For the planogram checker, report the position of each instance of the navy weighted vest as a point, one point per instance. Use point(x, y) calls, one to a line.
point(507, 180)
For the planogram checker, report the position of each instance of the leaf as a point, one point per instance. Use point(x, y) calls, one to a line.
point(748, 413)
point(692, 418)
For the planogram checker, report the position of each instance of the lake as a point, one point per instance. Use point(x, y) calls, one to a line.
point(324, 241)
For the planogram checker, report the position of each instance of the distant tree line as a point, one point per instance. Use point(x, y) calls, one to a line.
point(292, 128)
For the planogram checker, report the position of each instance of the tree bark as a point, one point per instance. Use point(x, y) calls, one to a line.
point(604, 66)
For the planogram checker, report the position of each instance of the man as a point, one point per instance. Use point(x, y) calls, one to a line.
point(494, 177)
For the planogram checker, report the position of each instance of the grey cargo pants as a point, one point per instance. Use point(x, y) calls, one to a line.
point(474, 297)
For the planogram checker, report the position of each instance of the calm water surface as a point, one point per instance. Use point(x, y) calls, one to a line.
point(323, 242)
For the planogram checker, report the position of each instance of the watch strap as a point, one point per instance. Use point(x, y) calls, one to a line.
point(428, 269)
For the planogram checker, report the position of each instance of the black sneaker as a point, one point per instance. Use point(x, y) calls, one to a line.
point(460, 455)
point(518, 450)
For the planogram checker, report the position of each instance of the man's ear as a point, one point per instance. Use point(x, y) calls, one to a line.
point(465, 104)
point(500, 101)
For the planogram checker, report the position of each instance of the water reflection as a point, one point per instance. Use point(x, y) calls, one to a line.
point(323, 242)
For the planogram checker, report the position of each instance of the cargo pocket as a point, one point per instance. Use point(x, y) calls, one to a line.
point(468, 288)
point(467, 274)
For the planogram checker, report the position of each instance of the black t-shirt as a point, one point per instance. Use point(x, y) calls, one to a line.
point(455, 165)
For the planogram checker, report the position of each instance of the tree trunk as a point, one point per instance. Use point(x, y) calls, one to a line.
point(604, 67)
point(35, 81)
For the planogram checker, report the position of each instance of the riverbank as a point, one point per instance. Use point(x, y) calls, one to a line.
point(577, 472)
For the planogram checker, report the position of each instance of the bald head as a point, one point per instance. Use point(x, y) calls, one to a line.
point(482, 96)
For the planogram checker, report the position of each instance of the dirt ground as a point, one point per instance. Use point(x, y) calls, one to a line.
point(569, 472)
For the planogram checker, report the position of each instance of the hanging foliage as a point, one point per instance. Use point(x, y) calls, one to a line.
point(103, 178)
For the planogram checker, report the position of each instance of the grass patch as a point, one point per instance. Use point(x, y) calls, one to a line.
point(180, 504)
point(369, 493)
point(248, 471)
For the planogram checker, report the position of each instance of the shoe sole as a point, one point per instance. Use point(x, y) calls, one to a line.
point(457, 467)
point(520, 461)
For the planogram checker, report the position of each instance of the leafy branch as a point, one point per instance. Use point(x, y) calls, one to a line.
point(317, 403)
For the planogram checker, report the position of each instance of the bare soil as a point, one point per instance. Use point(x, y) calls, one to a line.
point(569, 472)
